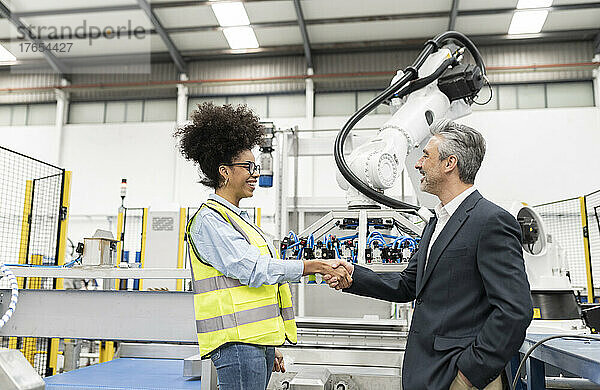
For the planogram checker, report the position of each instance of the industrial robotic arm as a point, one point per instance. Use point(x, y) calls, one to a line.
point(437, 86)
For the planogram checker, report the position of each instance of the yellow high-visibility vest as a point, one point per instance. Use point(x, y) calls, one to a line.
point(228, 311)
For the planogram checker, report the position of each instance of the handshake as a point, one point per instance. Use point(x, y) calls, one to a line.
point(337, 273)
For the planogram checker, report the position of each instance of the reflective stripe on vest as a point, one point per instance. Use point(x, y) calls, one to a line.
point(238, 318)
point(220, 282)
point(287, 313)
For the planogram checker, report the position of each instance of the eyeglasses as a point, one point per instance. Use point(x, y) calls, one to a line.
point(251, 166)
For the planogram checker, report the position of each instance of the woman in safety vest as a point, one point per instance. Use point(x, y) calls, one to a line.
point(242, 301)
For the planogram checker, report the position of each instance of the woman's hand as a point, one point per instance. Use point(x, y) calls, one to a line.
point(337, 280)
point(278, 365)
point(331, 269)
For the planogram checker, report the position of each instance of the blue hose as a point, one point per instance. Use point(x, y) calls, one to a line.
point(293, 235)
point(311, 241)
point(401, 241)
point(378, 239)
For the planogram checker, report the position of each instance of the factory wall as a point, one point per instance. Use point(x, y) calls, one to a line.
point(536, 155)
point(514, 63)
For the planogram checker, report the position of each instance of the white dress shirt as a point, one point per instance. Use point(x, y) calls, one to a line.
point(443, 214)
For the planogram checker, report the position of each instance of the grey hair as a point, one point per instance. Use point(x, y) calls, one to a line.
point(464, 142)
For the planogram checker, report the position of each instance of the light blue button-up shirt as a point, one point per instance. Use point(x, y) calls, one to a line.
point(224, 248)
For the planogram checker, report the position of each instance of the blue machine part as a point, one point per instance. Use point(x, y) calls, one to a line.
point(138, 261)
point(126, 374)
point(265, 181)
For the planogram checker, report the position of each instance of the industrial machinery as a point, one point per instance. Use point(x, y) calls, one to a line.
point(265, 159)
point(555, 306)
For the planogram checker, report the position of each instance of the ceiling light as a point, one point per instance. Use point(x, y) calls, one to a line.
point(230, 14)
point(534, 4)
point(5, 55)
point(241, 37)
point(527, 22)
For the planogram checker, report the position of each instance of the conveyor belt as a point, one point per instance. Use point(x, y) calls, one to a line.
point(126, 374)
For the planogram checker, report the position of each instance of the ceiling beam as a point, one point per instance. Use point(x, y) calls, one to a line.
point(394, 44)
point(192, 3)
point(304, 33)
point(124, 7)
point(293, 23)
point(443, 14)
point(331, 48)
point(160, 30)
point(374, 18)
point(56, 64)
point(71, 11)
point(453, 14)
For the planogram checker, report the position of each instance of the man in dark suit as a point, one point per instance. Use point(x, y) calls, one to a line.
point(472, 298)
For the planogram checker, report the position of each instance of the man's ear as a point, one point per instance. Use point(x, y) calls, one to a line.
point(451, 163)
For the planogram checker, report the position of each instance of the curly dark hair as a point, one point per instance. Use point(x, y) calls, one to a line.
point(217, 135)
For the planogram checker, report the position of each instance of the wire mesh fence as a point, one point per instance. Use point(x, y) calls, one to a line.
point(31, 194)
point(563, 220)
point(592, 202)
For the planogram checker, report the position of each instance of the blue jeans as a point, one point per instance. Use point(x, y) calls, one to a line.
point(243, 366)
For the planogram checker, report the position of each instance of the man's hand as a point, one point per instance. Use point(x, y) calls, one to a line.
point(337, 274)
point(278, 364)
point(337, 281)
point(332, 269)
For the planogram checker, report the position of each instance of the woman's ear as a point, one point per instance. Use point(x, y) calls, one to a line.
point(224, 173)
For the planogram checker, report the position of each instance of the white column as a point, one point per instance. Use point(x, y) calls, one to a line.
point(596, 74)
point(182, 100)
point(310, 100)
point(182, 117)
point(310, 165)
point(62, 110)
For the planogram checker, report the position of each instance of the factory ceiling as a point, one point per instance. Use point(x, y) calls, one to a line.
point(113, 31)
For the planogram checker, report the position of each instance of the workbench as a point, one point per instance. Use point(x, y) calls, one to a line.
point(126, 374)
point(576, 356)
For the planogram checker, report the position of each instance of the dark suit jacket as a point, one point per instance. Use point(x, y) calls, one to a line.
point(472, 303)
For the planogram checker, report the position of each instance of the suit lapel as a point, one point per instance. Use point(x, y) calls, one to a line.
point(452, 227)
point(424, 244)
